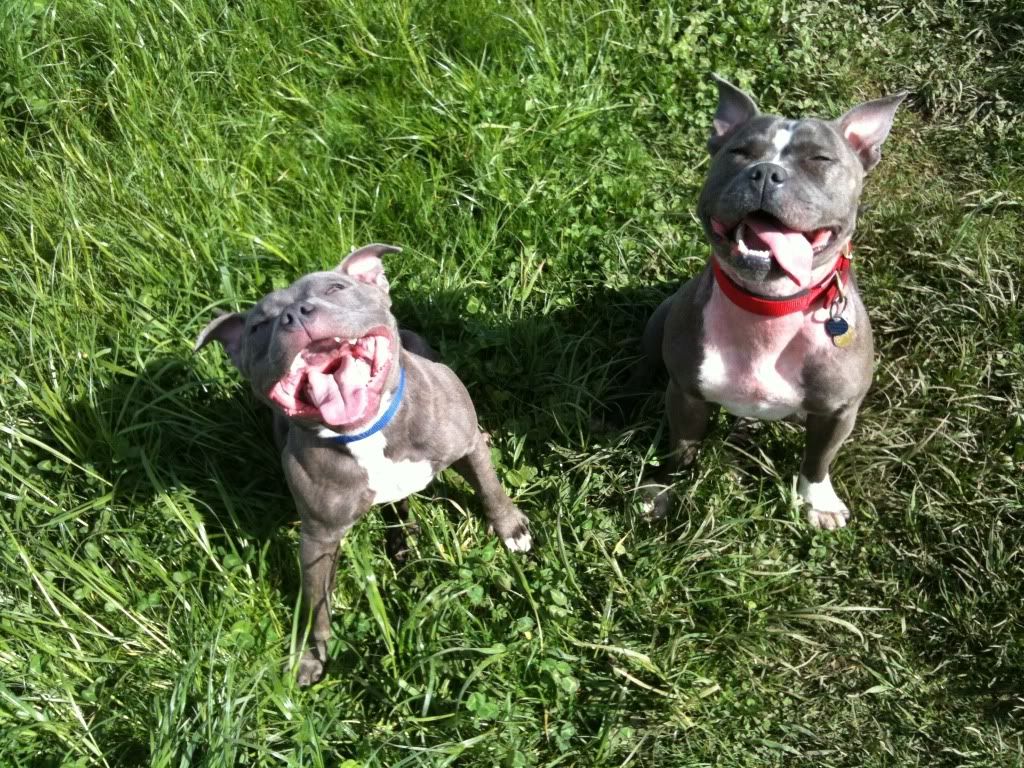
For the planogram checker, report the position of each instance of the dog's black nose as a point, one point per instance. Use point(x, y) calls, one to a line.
point(768, 175)
point(297, 312)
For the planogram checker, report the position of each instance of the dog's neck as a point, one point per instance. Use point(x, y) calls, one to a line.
point(827, 282)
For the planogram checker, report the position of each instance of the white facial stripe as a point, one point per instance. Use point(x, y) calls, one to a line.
point(780, 141)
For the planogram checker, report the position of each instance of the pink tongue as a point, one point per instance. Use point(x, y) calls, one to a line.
point(790, 248)
point(345, 401)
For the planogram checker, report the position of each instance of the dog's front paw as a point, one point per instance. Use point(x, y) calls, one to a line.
point(656, 501)
point(520, 543)
point(828, 521)
point(825, 509)
point(514, 530)
point(310, 670)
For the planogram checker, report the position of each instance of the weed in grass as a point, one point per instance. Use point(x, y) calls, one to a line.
point(539, 165)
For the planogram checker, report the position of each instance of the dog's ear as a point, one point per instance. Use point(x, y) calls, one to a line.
point(365, 265)
point(227, 329)
point(734, 109)
point(865, 127)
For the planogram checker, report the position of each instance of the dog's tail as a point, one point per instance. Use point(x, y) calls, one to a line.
point(413, 342)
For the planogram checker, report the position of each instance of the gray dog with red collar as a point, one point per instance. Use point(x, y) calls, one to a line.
point(774, 327)
point(362, 415)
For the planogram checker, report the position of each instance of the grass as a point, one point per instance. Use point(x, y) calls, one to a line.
point(539, 163)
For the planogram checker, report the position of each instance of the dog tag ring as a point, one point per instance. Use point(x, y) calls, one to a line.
point(836, 326)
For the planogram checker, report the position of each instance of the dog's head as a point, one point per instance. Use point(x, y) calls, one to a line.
point(781, 195)
point(323, 351)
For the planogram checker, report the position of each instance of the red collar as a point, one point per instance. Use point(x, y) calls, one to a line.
point(785, 305)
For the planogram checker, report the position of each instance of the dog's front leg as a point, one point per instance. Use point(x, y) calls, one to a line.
point(689, 419)
point(318, 554)
point(825, 435)
point(504, 517)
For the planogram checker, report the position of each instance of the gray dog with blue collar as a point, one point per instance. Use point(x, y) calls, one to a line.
point(362, 415)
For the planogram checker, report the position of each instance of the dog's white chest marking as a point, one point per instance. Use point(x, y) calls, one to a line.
point(389, 480)
point(753, 365)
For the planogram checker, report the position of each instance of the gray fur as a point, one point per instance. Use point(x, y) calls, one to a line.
point(436, 421)
point(815, 183)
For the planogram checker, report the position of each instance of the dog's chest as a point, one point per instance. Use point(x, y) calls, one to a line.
point(752, 365)
point(389, 480)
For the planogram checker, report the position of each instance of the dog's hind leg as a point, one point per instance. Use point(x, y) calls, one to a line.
point(413, 342)
point(400, 525)
point(652, 364)
point(624, 404)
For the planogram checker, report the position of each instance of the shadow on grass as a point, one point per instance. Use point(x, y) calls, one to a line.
point(552, 379)
point(164, 427)
point(167, 429)
point(160, 429)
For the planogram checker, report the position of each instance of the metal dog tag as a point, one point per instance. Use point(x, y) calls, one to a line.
point(836, 326)
point(839, 331)
point(845, 340)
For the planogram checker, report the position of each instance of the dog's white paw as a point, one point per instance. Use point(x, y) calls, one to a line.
point(655, 501)
point(647, 508)
point(513, 528)
point(828, 521)
point(825, 509)
point(520, 543)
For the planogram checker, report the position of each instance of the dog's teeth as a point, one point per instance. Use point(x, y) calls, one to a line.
point(353, 342)
point(744, 248)
point(748, 251)
point(739, 240)
point(337, 339)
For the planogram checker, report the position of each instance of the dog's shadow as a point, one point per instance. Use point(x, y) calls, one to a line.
point(163, 428)
point(546, 376)
point(560, 378)
point(181, 422)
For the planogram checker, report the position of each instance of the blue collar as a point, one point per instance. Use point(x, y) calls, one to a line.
point(383, 421)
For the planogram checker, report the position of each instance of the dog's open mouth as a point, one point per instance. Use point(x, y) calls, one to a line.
point(760, 235)
point(337, 381)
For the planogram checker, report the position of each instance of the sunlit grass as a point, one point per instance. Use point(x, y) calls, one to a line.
point(539, 164)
